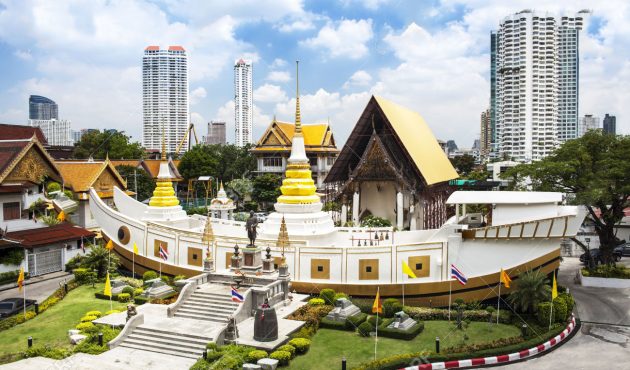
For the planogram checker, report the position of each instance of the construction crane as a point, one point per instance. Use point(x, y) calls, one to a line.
point(191, 128)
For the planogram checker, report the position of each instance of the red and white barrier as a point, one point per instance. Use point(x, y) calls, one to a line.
point(502, 358)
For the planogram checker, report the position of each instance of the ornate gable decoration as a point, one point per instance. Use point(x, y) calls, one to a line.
point(32, 165)
point(376, 164)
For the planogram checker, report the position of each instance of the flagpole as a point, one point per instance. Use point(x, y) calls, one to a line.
point(24, 291)
point(133, 265)
point(499, 301)
point(403, 289)
point(109, 254)
point(551, 312)
point(378, 296)
point(450, 282)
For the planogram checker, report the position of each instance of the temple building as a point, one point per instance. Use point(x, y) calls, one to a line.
point(392, 167)
point(80, 176)
point(274, 148)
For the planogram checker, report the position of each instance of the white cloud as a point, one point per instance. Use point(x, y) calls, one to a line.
point(358, 78)
point(197, 95)
point(346, 38)
point(297, 25)
point(24, 55)
point(268, 93)
point(279, 76)
point(368, 4)
point(278, 63)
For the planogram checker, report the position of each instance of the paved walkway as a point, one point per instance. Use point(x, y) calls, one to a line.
point(603, 341)
point(38, 287)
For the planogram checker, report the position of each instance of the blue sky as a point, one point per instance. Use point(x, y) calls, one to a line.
point(431, 56)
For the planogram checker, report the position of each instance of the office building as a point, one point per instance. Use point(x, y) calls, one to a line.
point(537, 83)
point(57, 132)
point(610, 124)
point(485, 136)
point(216, 133)
point(243, 102)
point(587, 123)
point(164, 97)
point(40, 107)
point(494, 46)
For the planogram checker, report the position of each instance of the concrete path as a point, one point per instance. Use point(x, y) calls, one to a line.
point(603, 341)
point(38, 288)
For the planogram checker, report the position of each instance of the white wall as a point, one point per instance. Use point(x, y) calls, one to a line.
point(511, 213)
point(380, 203)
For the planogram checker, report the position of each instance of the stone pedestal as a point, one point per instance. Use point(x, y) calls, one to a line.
point(252, 259)
point(208, 265)
point(158, 289)
point(402, 321)
point(265, 324)
point(236, 263)
point(343, 309)
point(268, 266)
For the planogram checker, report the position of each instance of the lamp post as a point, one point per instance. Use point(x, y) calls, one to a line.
point(588, 248)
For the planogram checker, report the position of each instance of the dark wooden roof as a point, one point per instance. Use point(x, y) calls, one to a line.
point(48, 235)
point(18, 132)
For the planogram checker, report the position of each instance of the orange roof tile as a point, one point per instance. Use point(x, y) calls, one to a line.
point(152, 47)
point(80, 176)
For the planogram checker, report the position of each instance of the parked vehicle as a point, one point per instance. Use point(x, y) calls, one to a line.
point(12, 306)
point(623, 249)
point(597, 257)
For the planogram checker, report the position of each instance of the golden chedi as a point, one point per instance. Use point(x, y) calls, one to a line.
point(164, 193)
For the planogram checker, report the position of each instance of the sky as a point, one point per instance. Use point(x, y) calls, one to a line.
point(430, 56)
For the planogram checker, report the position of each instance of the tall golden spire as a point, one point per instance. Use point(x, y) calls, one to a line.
point(298, 118)
point(208, 237)
point(283, 239)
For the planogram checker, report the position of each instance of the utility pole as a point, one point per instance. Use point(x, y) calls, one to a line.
point(135, 181)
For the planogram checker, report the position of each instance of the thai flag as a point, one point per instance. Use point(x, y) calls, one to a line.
point(236, 297)
point(163, 253)
point(458, 275)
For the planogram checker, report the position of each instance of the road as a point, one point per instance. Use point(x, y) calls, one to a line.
point(603, 340)
point(40, 289)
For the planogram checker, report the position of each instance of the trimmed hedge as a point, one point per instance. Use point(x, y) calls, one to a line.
point(94, 313)
point(351, 323)
point(427, 314)
point(124, 297)
point(255, 355)
point(316, 302)
point(365, 329)
point(84, 325)
point(391, 306)
point(288, 348)
point(140, 300)
point(11, 277)
point(328, 295)
point(149, 275)
point(100, 295)
point(301, 345)
point(283, 357)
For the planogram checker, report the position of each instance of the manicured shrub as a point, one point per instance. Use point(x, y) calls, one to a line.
point(136, 283)
point(354, 321)
point(94, 313)
point(372, 320)
point(316, 302)
point(305, 332)
point(138, 291)
point(283, 357)
point(543, 313)
point(391, 306)
point(101, 295)
point(74, 262)
point(408, 334)
point(84, 325)
point(149, 275)
point(140, 300)
point(166, 279)
point(288, 348)
point(339, 296)
point(47, 351)
point(124, 297)
point(111, 312)
point(81, 275)
point(90, 344)
point(301, 345)
point(179, 277)
point(365, 329)
point(129, 290)
point(559, 309)
point(328, 295)
point(255, 355)
point(53, 187)
point(88, 318)
point(568, 298)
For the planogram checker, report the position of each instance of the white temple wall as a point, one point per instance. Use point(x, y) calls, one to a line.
point(380, 199)
point(511, 213)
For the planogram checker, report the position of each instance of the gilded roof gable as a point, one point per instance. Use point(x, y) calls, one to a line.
point(26, 160)
point(81, 176)
point(279, 135)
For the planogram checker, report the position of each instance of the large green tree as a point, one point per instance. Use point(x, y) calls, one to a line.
point(99, 144)
point(595, 171)
point(464, 164)
point(223, 162)
point(137, 180)
point(266, 188)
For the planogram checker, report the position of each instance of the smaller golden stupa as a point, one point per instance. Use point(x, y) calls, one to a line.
point(164, 193)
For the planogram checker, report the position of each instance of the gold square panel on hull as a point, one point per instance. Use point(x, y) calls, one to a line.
point(368, 269)
point(420, 265)
point(320, 268)
point(195, 256)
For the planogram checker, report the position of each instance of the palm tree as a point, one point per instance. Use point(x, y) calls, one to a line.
point(98, 259)
point(531, 289)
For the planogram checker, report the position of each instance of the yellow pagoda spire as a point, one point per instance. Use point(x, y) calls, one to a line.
point(208, 237)
point(283, 239)
point(164, 193)
point(298, 186)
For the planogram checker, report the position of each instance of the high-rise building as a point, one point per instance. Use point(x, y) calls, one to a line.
point(164, 97)
point(587, 123)
point(485, 136)
point(537, 79)
point(243, 102)
point(610, 124)
point(216, 133)
point(40, 107)
point(57, 132)
point(494, 46)
point(451, 146)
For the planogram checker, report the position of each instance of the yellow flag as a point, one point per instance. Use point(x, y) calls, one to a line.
point(20, 281)
point(407, 270)
point(554, 288)
point(61, 216)
point(109, 245)
point(108, 287)
point(377, 306)
point(505, 278)
point(135, 248)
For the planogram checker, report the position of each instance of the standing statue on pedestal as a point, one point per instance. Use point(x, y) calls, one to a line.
point(250, 226)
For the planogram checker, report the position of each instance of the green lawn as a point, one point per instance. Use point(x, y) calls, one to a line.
point(329, 345)
point(51, 327)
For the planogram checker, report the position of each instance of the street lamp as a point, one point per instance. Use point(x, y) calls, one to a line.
point(588, 248)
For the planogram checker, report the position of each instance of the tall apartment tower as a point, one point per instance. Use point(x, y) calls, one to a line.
point(587, 123)
point(243, 102)
point(494, 47)
point(40, 107)
point(610, 124)
point(537, 79)
point(164, 97)
point(485, 136)
point(216, 133)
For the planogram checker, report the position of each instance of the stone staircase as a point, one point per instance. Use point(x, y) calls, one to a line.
point(207, 306)
point(166, 342)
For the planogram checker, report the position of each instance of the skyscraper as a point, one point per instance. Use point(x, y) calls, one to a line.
point(216, 133)
point(40, 107)
point(537, 79)
point(57, 132)
point(610, 124)
point(164, 97)
point(587, 123)
point(494, 46)
point(243, 102)
point(485, 136)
